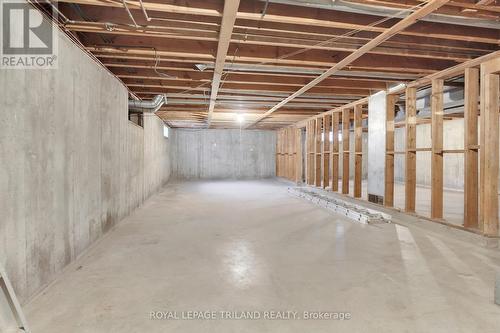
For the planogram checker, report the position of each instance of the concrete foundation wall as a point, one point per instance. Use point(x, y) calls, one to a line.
point(71, 164)
point(376, 143)
point(223, 153)
point(453, 164)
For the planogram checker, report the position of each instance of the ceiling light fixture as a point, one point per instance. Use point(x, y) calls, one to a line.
point(240, 118)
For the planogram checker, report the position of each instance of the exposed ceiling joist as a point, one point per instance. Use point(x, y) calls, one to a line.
point(284, 19)
point(403, 24)
point(268, 57)
point(444, 74)
point(257, 39)
point(226, 30)
point(485, 2)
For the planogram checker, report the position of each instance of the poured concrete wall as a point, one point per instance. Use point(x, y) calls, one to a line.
point(223, 153)
point(376, 143)
point(453, 164)
point(71, 164)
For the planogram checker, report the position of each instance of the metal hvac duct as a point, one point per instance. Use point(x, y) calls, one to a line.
point(147, 106)
point(368, 9)
point(453, 103)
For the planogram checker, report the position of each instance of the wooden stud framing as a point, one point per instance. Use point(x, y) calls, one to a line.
point(411, 153)
point(306, 154)
point(437, 149)
point(298, 158)
point(444, 74)
point(278, 154)
point(317, 155)
point(389, 155)
point(291, 153)
point(310, 152)
point(286, 152)
point(358, 151)
point(327, 124)
point(487, 151)
point(346, 120)
point(226, 30)
point(284, 143)
point(471, 186)
point(488, 222)
point(334, 152)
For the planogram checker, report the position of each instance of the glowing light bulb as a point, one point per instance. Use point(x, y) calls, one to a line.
point(240, 118)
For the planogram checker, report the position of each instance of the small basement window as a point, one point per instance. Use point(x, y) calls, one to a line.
point(136, 118)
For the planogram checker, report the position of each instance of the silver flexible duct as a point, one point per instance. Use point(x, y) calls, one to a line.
point(147, 106)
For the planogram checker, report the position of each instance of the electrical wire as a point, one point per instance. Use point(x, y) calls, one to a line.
point(157, 60)
point(72, 37)
point(224, 75)
point(264, 11)
point(291, 54)
point(347, 34)
point(129, 13)
point(144, 11)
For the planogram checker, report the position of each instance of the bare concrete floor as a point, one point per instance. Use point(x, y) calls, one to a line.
point(453, 201)
point(249, 246)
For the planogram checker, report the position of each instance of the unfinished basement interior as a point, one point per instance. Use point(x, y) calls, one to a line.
point(249, 166)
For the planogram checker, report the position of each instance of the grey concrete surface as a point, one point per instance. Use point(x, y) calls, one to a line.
point(453, 164)
point(377, 143)
point(223, 154)
point(249, 246)
point(497, 290)
point(71, 164)
point(453, 208)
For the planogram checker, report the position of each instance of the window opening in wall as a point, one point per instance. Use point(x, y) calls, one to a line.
point(136, 118)
point(165, 130)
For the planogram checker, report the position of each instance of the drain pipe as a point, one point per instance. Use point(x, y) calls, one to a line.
point(147, 106)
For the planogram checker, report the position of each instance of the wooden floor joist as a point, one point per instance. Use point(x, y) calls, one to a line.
point(208, 48)
point(428, 8)
point(226, 30)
